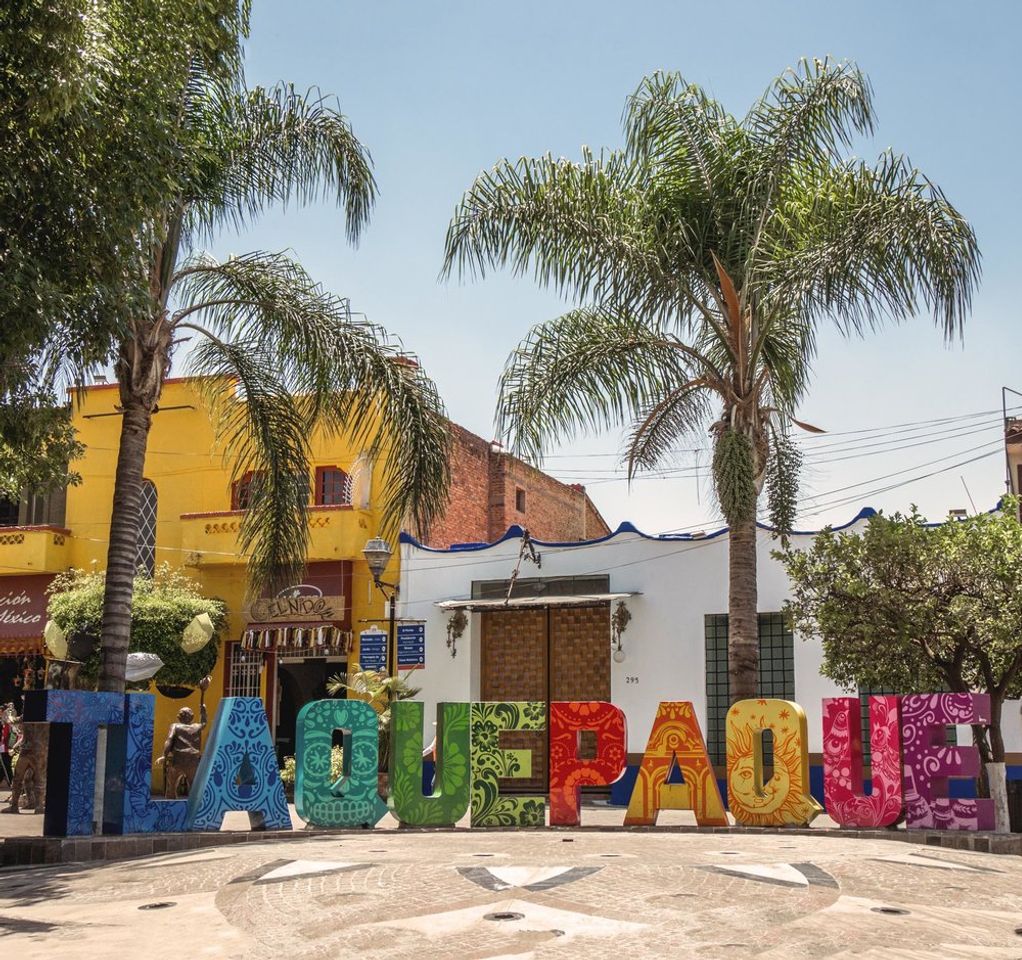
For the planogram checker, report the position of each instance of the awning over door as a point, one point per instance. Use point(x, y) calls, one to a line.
point(518, 603)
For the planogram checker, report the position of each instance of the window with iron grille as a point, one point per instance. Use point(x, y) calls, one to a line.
point(243, 679)
point(776, 674)
point(333, 487)
point(147, 503)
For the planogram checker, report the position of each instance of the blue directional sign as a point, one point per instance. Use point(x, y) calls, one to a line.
point(411, 645)
point(373, 650)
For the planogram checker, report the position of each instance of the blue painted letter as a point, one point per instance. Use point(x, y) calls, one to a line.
point(128, 806)
point(75, 717)
point(238, 771)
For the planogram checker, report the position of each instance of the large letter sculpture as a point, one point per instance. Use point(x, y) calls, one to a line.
point(75, 717)
point(354, 800)
point(785, 798)
point(449, 800)
point(843, 792)
point(929, 761)
point(568, 772)
point(238, 771)
point(128, 806)
point(675, 741)
point(490, 763)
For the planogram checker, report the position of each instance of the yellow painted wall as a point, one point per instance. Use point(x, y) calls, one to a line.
point(186, 464)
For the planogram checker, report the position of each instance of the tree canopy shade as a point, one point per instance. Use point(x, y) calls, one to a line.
point(89, 148)
point(161, 607)
point(912, 607)
point(295, 356)
point(705, 255)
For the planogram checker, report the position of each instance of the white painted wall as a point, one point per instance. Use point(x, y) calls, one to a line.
point(680, 581)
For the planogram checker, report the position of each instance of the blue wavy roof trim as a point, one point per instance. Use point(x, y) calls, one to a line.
point(515, 532)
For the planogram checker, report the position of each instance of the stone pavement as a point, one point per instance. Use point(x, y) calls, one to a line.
point(528, 895)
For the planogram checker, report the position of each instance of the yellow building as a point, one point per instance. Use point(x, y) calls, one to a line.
point(190, 519)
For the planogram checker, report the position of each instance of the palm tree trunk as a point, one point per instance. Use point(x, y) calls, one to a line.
point(122, 555)
point(743, 618)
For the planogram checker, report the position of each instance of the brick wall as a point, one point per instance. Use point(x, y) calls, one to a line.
point(485, 496)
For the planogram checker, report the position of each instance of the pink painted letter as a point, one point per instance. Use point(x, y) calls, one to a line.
point(843, 791)
point(929, 763)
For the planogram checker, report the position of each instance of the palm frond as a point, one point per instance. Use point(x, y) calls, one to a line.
point(586, 371)
point(581, 228)
point(861, 244)
point(344, 375)
point(269, 146)
point(654, 438)
point(810, 112)
point(263, 429)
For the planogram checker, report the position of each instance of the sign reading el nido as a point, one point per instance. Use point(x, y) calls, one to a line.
point(910, 764)
point(296, 609)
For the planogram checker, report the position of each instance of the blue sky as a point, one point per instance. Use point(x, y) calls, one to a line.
point(440, 90)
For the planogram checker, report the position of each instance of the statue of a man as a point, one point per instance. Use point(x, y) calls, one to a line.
point(30, 773)
point(183, 748)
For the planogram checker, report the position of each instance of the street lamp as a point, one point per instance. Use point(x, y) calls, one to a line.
point(378, 553)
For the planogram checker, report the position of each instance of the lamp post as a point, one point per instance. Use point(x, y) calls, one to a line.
point(378, 553)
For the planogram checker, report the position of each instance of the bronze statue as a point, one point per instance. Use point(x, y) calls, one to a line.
point(183, 748)
point(30, 773)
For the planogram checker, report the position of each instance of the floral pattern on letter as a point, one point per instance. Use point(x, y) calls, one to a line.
point(238, 771)
point(567, 771)
point(491, 763)
point(448, 802)
point(354, 800)
point(928, 761)
point(843, 791)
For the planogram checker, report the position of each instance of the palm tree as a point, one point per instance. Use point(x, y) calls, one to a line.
point(706, 254)
point(294, 352)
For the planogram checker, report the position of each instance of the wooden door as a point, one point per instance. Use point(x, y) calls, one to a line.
point(515, 666)
point(560, 653)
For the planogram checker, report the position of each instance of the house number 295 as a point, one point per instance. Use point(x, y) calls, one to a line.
point(631, 679)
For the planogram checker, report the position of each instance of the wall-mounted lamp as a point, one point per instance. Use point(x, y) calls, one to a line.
point(456, 624)
point(618, 624)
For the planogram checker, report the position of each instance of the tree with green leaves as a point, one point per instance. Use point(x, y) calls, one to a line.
point(914, 607)
point(294, 356)
point(706, 255)
point(162, 606)
point(88, 132)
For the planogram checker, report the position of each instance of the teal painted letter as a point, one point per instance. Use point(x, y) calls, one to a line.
point(448, 802)
point(354, 800)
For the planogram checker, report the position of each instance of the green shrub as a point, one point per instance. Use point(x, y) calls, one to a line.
point(287, 772)
point(161, 607)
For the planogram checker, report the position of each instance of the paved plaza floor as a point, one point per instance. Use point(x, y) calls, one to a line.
point(526, 895)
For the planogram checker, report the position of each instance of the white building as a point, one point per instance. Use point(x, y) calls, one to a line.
point(553, 640)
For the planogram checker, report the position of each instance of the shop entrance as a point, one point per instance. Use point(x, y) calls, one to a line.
point(299, 681)
point(546, 653)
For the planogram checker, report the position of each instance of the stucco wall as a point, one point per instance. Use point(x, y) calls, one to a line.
point(679, 582)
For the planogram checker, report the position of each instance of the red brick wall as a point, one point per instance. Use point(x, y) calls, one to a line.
point(484, 484)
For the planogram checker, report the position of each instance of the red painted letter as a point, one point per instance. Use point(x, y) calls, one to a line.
point(568, 772)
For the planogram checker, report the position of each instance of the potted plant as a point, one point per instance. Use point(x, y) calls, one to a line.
point(379, 691)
